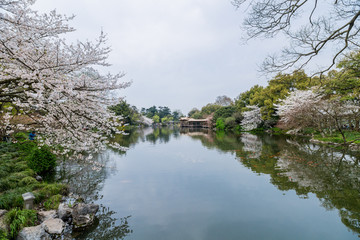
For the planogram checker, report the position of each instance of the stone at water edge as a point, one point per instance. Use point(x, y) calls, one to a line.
point(84, 214)
point(33, 233)
point(64, 211)
point(45, 215)
point(53, 226)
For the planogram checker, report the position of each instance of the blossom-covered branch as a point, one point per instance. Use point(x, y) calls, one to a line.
point(51, 84)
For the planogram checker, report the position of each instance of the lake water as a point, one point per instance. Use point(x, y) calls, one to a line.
point(174, 184)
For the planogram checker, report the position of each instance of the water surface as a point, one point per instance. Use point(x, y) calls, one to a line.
point(200, 185)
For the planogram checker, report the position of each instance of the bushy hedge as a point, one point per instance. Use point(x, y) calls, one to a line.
point(42, 160)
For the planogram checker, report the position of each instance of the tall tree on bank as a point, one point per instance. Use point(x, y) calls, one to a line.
point(332, 25)
point(52, 82)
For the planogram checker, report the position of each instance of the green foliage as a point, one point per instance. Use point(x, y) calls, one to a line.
point(238, 117)
point(11, 199)
point(244, 98)
point(27, 181)
point(278, 88)
point(49, 190)
point(17, 219)
point(176, 115)
point(230, 123)
point(17, 178)
point(150, 112)
point(164, 112)
point(42, 160)
point(206, 111)
point(209, 109)
point(53, 202)
point(192, 112)
point(257, 130)
point(238, 128)
point(309, 131)
point(161, 113)
point(197, 115)
point(42, 191)
point(224, 112)
point(129, 113)
point(351, 64)
point(156, 119)
point(220, 125)
point(167, 119)
point(27, 147)
point(277, 131)
point(336, 137)
point(3, 235)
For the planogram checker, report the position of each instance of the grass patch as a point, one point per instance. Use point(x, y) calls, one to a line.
point(17, 219)
point(3, 235)
point(53, 202)
point(277, 131)
point(16, 177)
point(337, 137)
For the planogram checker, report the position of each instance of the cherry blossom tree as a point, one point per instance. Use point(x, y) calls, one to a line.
point(252, 118)
point(299, 109)
point(51, 86)
point(309, 108)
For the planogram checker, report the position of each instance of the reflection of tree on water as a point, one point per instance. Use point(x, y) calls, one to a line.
point(252, 144)
point(132, 137)
point(162, 135)
point(109, 228)
point(84, 178)
point(86, 181)
point(332, 175)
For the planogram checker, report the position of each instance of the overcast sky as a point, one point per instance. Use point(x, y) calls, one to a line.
point(180, 53)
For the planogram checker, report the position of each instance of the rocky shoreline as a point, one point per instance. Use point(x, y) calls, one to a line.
point(58, 224)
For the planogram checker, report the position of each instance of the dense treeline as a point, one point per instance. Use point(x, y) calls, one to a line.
point(132, 116)
point(161, 114)
point(325, 104)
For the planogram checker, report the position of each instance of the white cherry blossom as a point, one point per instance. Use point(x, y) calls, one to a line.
point(54, 86)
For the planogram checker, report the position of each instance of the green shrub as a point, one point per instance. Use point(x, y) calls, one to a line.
point(27, 146)
point(53, 202)
point(238, 128)
point(220, 125)
point(27, 181)
point(230, 123)
point(42, 160)
point(50, 190)
point(224, 112)
point(21, 136)
point(20, 166)
point(17, 219)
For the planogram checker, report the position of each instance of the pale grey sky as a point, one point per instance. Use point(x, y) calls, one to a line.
point(180, 53)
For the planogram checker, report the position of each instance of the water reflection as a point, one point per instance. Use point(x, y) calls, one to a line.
point(106, 227)
point(295, 164)
point(291, 164)
point(86, 181)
